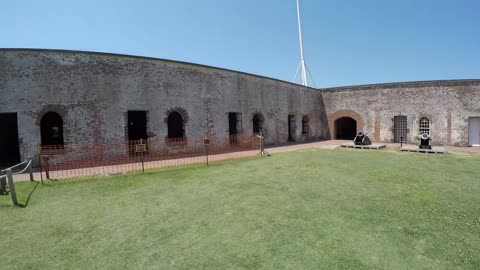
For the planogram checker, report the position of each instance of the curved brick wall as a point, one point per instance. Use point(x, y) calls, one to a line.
point(94, 91)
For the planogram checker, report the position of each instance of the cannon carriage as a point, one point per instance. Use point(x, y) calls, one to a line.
point(362, 139)
point(424, 141)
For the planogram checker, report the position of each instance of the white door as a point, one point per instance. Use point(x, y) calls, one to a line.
point(474, 131)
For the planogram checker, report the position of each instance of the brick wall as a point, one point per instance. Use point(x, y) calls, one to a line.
point(93, 92)
point(447, 104)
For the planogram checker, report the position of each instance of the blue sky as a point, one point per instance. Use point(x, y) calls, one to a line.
point(346, 42)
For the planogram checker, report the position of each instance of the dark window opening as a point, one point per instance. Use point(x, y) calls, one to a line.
point(137, 125)
point(257, 123)
point(305, 125)
point(232, 123)
point(345, 128)
point(234, 126)
point(400, 128)
point(175, 125)
point(51, 129)
point(9, 144)
point(291, 128)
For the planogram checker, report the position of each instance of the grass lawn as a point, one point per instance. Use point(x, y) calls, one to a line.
point(310, 209)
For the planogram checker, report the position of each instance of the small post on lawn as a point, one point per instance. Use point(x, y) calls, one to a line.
point(206, 142)
point(262, 146)
point(30, 170)
point(41, 169)
point(47, 173)
point(141, 149)
point(11, 186)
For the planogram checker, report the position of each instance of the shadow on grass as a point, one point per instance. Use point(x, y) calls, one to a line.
point(28, 198)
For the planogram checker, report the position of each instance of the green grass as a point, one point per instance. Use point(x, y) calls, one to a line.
point(311, 209)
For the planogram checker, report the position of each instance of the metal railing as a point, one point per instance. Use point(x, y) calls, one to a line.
point(6, 180)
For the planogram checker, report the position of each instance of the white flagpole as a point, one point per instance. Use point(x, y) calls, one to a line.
point(300, 36)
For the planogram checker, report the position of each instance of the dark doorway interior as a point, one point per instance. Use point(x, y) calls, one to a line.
point(232, 123)
point(175, 125)
point(257, 123)
point(291, 128)
point(345, 128)
point(9, 145)
point(137, 125)
point(305, 125)
point(233, 127)
point(51, 129)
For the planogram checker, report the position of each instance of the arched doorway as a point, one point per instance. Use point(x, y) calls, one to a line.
point(332, 124)
point(345, 128)
point(51, 129)
point(175, 125)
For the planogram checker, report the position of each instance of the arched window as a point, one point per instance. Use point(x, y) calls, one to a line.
point(424, 126)
point(257, 122)
point(51, 129)
point(305, 125)
point(176, 126)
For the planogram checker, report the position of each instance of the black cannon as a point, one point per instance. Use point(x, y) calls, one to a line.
point(425, 142)
point(361, 139)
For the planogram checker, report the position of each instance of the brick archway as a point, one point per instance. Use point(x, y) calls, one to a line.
point(344, 113)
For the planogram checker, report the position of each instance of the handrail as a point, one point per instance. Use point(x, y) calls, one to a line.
point(26, 167)
point(14, 166)
point(9, 177)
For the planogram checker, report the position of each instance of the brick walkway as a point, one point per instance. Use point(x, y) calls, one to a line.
point(118, 169)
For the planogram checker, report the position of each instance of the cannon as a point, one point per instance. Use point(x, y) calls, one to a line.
point(362, 139)
point(424, 141)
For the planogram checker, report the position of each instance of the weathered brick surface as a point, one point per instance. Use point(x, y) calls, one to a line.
point(447, 104)
point(344, 113)
point(93, 91)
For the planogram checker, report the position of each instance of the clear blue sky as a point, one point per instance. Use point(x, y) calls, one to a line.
point(346, 42)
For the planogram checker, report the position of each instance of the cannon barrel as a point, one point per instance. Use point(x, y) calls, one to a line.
point(361, 139)
point(425, 141)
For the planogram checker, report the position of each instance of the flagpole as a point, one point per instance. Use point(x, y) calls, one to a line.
point(300, 36)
